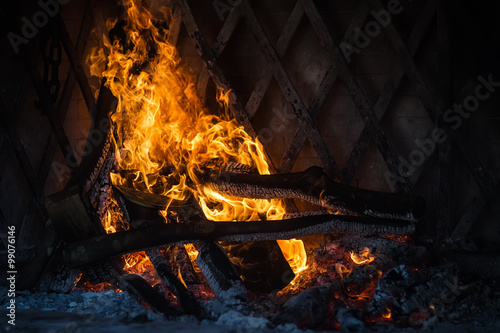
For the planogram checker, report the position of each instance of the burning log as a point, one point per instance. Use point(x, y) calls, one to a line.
point(101, 247)
point(261, 265)
point(309, 309)
point(179, 260)
point(143, 292)
point(220, 274)
point(60, 279)
point(312, 185)
point(315, 186)
point(185, 297)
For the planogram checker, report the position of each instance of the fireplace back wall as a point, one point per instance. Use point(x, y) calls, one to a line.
point(361, 88)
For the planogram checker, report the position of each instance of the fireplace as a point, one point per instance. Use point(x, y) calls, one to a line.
point(264, 166)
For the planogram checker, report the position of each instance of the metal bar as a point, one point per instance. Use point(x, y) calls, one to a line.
point(216, 73)
point(290, 92)
point(359, 98)
point(367, 134)
point(219, 45)
point(77, 66)
point(51, 113)
point(281, 46)
point(293, 150)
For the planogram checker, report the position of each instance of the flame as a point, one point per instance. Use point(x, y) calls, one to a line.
point(342, 271)
point(363, 257)
point(108, 223)
point(163, 132)
point(387, 314)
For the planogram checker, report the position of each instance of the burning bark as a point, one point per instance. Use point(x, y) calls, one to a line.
point(186, 298)
point(315, 186)
point(105, 246)
point(143, 292)
point(220, 274)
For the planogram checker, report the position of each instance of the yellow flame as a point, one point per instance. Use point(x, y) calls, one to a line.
point(163, 131)
point(108, 223)
point(342, 270)
point(363, 257)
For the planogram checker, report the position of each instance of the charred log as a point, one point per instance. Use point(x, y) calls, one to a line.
point(261, 265)
point(220, 274)
point(185, 297)
point(309, 309)
point(315, 186)
point(180, 261)
point(143, 292)
point(312, 185)
point(62, 279)
point(104, 246)
point(350, 320)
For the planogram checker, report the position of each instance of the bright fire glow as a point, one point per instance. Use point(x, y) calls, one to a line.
point(363, 257)
point(165, 134)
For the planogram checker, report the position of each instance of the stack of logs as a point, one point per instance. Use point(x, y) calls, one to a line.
point(355, 218)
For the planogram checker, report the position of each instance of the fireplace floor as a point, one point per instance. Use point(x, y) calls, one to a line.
point(108, 311)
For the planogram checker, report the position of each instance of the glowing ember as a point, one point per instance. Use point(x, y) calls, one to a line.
point(363, 257)
point(165, 135)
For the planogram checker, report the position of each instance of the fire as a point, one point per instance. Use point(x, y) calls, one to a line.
point(163, 132)
point(363, 257)
point(387, 314)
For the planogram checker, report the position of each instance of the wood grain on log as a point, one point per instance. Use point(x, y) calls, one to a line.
point(185, 297)
point(261, 265)
point(104, 246)
point(315, 186)
point(220, 274)
point(143, 292)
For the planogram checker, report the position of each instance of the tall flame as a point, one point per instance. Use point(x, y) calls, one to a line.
point(164, 134)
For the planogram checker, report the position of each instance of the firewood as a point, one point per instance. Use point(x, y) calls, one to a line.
point(261, 265)
point(143, 292)
point(187, 300)
point(104, 246)
point(350, 319)
point(220, 274)
point(315, 186)
point(309, 309)
point(180, 261)
point(312, 185)
point(71, 212)
point(60, 280)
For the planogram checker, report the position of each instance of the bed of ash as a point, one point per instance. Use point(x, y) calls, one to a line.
point(82, 310)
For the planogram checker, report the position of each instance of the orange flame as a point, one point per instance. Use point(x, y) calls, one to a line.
point(387, 314)
point(363, 257)
point(163, 132)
